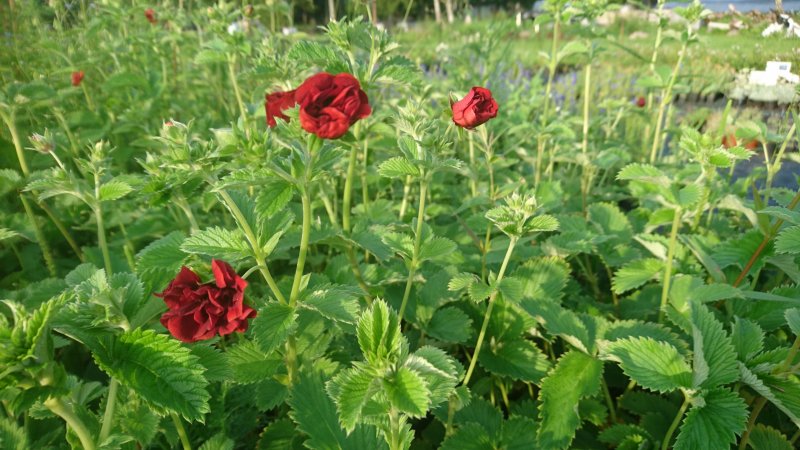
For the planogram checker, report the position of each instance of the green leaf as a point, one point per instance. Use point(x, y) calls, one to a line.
point(218, 442)
point(440, 372)
point(657, 366)
point(714, 355)
point(713, 422)
point(784, 394)
point(541, 223)
point(218, 243)
point(622, 329)
point(479, 291)
point(336, 302)
point(273, 197)
point(214, 361)
point(689, 195)
point(793, 320)
point(315, 413)
point(378, 333)
point(6, 234)
point(470, 436)
point(788, 240)
point(12, 436)
point(575, 376)
point(450, 324)
point(273, 324)
point(436, 248)
point(114, 190)
point(518, 359)
point(645, 173)
point(407, 392)
point(461, 281)
point(279, 435)
point(747, 338)
point(398, 167)
point(767, 438)
point(351, 389)
point(159, 369)
point(785, 214)
point(250, 364)
point(636, 273)
point(161, 259)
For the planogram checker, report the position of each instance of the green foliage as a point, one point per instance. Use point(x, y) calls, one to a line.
point(654, 365)
point(164, 374)
point(713, 421)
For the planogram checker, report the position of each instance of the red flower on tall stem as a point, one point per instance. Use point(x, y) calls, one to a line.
point(329, 104)
point(150, 14)
point(475, 109)
point(77, 78)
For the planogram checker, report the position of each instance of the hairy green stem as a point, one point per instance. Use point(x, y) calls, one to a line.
point(108, 415)
point(261, 260)
point(666, 99)
point(101, 231)
point(61, 409)
point(673, 235)
point(488, 313)
point(676, 422)
point(10, 120)
point(346, 212)
point(304, 237)
point(586, 92)
point(37, 230)
point(236, 91)
point(612, 412)
point(181, 432)
point(412, 270)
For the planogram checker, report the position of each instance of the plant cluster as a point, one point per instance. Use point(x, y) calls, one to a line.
point(218, 239)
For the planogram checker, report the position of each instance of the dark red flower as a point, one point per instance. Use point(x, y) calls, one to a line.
point(151, 15)
point(77, 77)
point(329, 104)
point(729, 140)
point(641, 102)
point(276, 103)
point(201, 311)
point(474, 109)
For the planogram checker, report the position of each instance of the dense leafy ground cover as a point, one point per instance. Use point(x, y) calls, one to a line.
point(581, 271)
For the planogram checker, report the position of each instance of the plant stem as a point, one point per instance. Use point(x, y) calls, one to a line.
point(676, 223)
point(101, 231)
point(395, 440)
point(261, 260)
point(61, 409)
point(181, 432)
point(236, 91)
point(473, 184)
point(666, 99)
point(675, 423)
point(108, 415)
point(10, 121)
point(609, 403)
point(304, 237)
point(488, 313)
point(346, 227)
point(765, 241)
point(412, 270)
point(404, 201)
point(586, 91)
point(37, 230)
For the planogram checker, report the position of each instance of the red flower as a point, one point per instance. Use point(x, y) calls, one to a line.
point(151, 15)
point(474, 109)
point(641, 102)
point(77, 77)
point(201, 311)
point(729, 140)
point(276, 103)
point(329, 104)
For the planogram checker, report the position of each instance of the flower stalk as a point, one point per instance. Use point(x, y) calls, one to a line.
point(412, 269)
point(673, 235)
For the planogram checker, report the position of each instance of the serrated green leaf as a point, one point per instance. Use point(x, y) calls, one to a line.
point(439, 371)
point(470, 436)
point(351, 389)
point(543, 223)
point(315, 413)
point(767, 438)
point(450, 324)
point(747, 338)
point(575, 376)
point(218, 243)
point(398, 167)
point(713, 422)
point(436, 249)
point(479, 291)
point(788, 240)
point(114, 190)
point(793, 320)
point(273, 324)
point(159, 369)
point(657, 366)
point(714, 355)
point(462, 281)
point(644, 173)
point(407, 392)
point(378, 333)
point(336, 302)
point(250, 364)
point(785, 214)
point(218, 442)
point(689, 195)
point(12, 436)
point(636, 273)
point(634, 328)
point(518, 359)
point(214, 361)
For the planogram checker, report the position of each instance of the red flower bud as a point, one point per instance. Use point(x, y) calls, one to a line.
point(150, 15)
point(475, 109)
point(641, 102)
point(77, 77)
point(276, 103)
